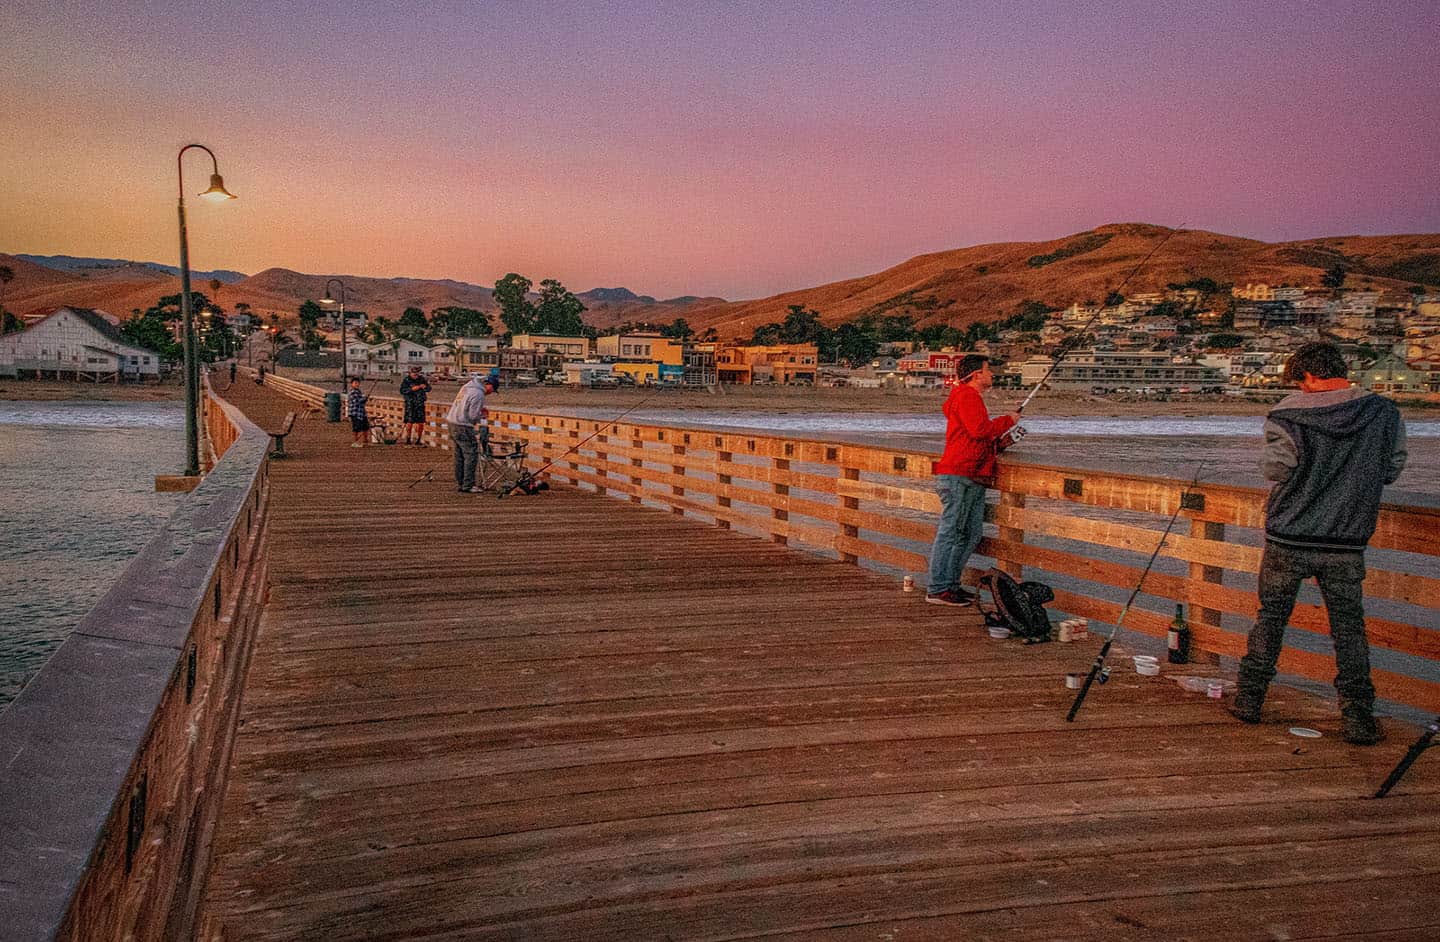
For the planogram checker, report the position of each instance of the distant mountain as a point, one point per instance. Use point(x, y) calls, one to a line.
point(613, 296)
point(71, 263)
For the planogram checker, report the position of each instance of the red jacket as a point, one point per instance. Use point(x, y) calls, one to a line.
point(971, 436)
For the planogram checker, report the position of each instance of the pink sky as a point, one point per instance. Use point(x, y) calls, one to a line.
point(728, 149)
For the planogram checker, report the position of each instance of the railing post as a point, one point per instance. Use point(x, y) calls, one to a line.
point(1012, 535)
point(850, 503)
point(722, 458)
point(602, 458)
point(679, 469)
point(637, 444)
point(779, 513)
point(1206, 530)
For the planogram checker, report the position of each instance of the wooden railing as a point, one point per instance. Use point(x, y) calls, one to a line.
point(1088, 533)
point(113, 758)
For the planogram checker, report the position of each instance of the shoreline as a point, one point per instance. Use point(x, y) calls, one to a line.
point(764, 399)
point(17, 390)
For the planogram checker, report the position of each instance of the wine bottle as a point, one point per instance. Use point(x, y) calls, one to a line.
point(1177, 639)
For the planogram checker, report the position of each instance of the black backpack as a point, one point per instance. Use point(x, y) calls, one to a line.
point(1019, 606)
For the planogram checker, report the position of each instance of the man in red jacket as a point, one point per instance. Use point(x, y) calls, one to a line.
point(972, 442)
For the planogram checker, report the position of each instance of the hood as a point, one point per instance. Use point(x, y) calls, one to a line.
point(1341, 412)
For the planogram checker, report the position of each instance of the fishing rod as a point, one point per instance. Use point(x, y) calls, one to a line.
point(1017, 432)
point(1426, 741)
point(528, 478)
point(1098, 670)
point(427, 476)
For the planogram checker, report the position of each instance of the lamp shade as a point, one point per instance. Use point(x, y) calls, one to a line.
point(217, 189)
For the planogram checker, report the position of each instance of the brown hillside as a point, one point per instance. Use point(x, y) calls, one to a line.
point(985, 282)
point(957, 286)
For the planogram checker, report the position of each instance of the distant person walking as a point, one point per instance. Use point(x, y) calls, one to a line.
point(1330, 449)
point(414, 389)
point(359, 418)
point(972, 442)
point(466, 412)
point(232, 372)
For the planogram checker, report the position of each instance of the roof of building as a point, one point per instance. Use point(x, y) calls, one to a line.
point(300, 357)
point(96, 319)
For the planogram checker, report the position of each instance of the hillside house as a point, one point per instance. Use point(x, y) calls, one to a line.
point(79, 343)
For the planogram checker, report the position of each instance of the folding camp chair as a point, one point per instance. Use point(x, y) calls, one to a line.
point(501, 466)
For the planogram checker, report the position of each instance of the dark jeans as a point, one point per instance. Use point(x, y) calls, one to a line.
point(1339, 575)
point(467, 453)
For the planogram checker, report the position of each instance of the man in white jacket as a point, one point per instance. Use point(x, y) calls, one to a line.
point(466, 412)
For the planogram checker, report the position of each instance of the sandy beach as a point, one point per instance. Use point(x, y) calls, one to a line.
point(15, 390)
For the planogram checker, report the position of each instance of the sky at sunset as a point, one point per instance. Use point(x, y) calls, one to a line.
point(728, 149)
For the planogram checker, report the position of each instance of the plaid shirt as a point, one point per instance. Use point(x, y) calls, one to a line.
point(357, 404)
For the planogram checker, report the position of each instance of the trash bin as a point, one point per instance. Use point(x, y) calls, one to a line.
point(332, 407)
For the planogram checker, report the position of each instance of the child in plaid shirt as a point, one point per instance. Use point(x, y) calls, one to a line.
point(359, 420)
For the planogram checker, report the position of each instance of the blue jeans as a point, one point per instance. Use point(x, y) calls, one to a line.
point(962, 517)
point(467, 454)
point(1339, 575)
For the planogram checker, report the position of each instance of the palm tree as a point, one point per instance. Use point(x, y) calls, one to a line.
point(215, 285)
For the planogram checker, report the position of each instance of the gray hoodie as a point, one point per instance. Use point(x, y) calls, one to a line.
point(1330, 454)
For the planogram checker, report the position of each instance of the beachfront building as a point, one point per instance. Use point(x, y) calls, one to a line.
point(1390, 374)
point(78, 343)
point(575, 348)
point(647, 358)
point(1102, 370)
point(786, 364)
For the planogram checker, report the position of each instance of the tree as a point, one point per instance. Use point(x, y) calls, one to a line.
point(151, 330)
point(412, 325)
point(1114, 299)
point(7, 275)
point(1224, 341)
point(558, 311)
point(9, 323)
point(1334, 277)
point(459, 322)
point(854, 344)
point(678, 329)
point(516, 311)
point(215, 285)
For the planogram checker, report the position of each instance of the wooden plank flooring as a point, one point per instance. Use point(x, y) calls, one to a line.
point(565, 717)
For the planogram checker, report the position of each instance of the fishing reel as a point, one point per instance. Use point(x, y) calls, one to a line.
point(1013, 435)
point(1103, 676)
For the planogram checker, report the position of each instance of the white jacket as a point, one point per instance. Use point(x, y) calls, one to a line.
point(469, 405)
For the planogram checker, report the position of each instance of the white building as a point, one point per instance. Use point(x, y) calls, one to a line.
point(76, 341)
point(1122, 369)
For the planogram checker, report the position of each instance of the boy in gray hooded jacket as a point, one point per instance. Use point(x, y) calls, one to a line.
point(1330, 448)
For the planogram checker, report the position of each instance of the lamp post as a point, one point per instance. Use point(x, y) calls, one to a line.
point(216, 192)
point(344, 351)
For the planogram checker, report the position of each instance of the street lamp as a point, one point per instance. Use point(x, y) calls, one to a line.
point(344, 352)
point(217, 192)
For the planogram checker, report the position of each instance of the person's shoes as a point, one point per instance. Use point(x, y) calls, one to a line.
point(950, 597)
point(1359, 728)
point(1246, 707)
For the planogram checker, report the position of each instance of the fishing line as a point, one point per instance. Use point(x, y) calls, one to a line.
point(1017, 432)
point(1098, 670)
point(529, 477)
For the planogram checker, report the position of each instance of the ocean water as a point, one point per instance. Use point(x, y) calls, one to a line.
point(77, 501)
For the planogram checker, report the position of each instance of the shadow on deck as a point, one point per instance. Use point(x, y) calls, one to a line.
point(565, 717)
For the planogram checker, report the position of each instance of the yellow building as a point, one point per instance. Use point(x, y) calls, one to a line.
point(784, 364)
point(651, 347)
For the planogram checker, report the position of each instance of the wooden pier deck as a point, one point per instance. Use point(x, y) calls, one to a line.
point(568, 717)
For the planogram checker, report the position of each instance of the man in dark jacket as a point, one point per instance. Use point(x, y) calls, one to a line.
point(1330, 448)
point(972, 442)
point(414, 389)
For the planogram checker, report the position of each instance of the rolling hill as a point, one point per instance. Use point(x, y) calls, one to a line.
point(957, 286)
